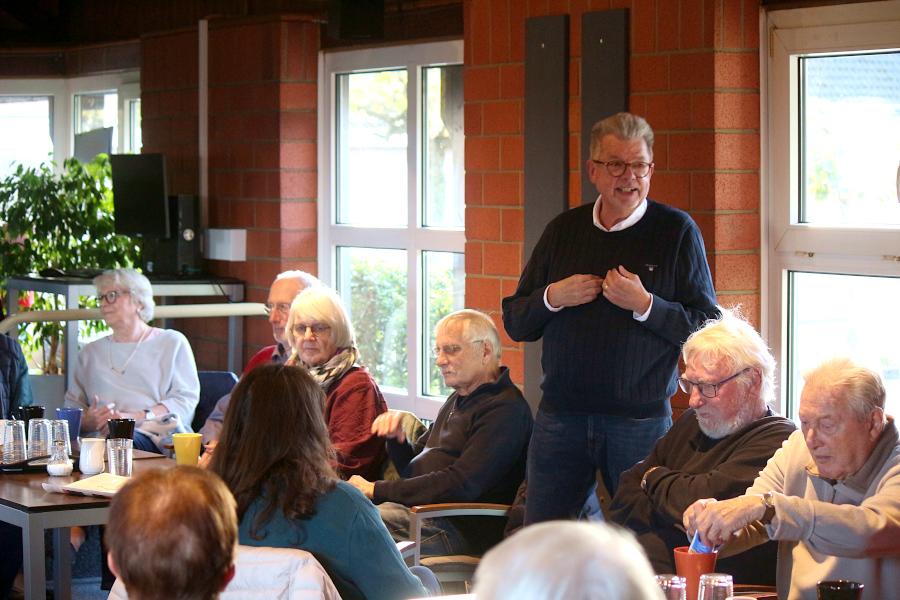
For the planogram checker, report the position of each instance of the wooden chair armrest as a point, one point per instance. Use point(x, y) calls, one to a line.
point(456, 509)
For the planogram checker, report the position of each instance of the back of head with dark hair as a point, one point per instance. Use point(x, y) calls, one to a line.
point(172, 534)
point(275, 444)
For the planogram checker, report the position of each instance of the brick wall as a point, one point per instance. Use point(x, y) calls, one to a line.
point(694, 75)
point(262, 149)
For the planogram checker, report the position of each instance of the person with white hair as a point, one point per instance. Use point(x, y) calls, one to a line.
point(278, 306)
point(138, 372)
point(322, 340)
point(830, 496)
point(715, 449)
point(473, 452)
point(566, 560)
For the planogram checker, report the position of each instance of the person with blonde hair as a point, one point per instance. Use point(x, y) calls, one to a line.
point(322, 340)
point(566, 560)
point(715, 449)
point(830, 496)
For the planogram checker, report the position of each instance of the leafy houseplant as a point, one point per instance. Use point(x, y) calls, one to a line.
point(62, 220)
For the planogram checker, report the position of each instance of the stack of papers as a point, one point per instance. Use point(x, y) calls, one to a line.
point(104, 484)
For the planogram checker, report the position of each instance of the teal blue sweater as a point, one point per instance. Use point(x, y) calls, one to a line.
point(347, 537)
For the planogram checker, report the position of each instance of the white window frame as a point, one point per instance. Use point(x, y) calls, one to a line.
point(126, 84)
point(787, 244)
point(414, 238)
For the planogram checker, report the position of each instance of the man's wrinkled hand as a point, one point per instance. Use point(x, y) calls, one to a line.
point(624, 289)
point(574, 290)
point(363, 485)
point(389, 425)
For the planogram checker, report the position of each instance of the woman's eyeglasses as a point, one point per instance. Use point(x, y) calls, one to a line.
point(316, 329)
point(111, 296)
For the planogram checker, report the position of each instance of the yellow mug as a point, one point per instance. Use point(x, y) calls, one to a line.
point(187, 448)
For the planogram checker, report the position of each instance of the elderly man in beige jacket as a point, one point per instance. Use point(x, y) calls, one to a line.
point(830, 496)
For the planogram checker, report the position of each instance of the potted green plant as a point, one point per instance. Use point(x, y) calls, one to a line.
point(61, 219)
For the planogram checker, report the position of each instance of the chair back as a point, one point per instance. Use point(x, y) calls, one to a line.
point(270, 573)
point(213, 385)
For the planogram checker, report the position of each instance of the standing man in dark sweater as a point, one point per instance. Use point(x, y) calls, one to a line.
point(714, 450)
point(614, 289)
point(474, 451)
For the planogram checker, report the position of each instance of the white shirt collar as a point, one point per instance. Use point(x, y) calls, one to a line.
point(633, 218)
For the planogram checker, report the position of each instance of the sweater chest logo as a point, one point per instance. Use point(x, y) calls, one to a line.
point(651, 268)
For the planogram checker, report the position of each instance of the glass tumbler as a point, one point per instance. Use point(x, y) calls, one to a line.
point(14, 442)
point(38, 437)
point(59, 432)
point(715, 586)
point(673, 587)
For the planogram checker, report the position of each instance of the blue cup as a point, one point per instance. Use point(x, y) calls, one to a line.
point(73, 416)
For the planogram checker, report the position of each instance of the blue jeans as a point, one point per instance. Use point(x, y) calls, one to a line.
point(566, 451)
point(439, 536)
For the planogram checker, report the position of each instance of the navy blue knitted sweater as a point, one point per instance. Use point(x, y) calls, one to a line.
point(597, 359)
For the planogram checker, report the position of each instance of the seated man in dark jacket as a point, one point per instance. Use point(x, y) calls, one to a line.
point(714, 450)
point(475, 450)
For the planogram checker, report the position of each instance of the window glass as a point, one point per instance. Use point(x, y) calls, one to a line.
point(443, 146)
point(373, 283)
point(97, 110)
point(372, 150)
point(445, 279)
point(855, 316)
point(851, 139)
point(26, 124)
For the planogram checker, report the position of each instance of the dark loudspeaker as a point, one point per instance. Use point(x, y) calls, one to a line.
point(356, 20)
point(180, 254)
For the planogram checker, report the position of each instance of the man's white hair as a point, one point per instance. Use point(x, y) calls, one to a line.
point(567, 560)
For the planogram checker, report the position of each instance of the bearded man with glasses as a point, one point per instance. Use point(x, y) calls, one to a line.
point(474, 451)
point(714, 450)
point(613, 288)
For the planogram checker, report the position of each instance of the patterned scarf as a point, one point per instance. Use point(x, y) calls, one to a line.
point(333, 369)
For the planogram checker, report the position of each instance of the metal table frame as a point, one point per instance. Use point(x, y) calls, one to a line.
point(73, 287)
point(33, 524)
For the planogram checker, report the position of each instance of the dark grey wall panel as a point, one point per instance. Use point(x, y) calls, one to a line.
point(604, 76)
point(546, 146)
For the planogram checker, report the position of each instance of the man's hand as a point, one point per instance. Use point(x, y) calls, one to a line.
point(718, 521)
point(624, 289)
point(96, 416)
point(389, 425)
point(363, 485)
point(574, 290)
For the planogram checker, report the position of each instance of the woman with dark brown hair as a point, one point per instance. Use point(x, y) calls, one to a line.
point(275, 456)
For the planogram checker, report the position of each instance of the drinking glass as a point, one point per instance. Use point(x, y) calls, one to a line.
point(38, 437)
point(14, 442)
point(673, 587)
point(715, 586)
point(59, 432)
point(119, 456)
point(839, 589)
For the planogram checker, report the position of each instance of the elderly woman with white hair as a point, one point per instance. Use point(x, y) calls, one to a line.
point(566, 560)
point(139, 372)
point(322, 340)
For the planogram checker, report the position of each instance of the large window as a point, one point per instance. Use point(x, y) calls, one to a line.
point(833, 190)
point(40, 118)
point(391, 233)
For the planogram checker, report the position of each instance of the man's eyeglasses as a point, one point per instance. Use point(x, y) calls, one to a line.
point(707, 390)
point(111, 296)
point(450, 350)
point(616, 168)
point(316, 329)
point(282, 307)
